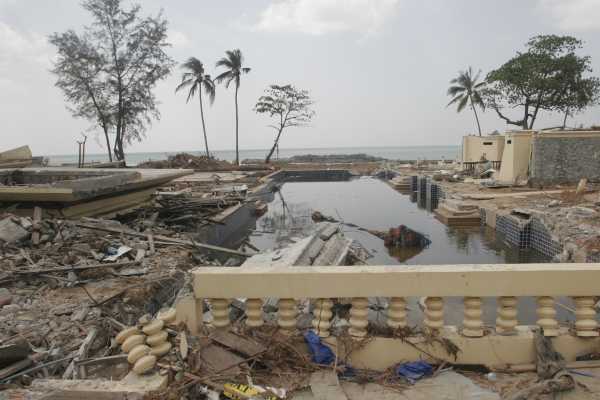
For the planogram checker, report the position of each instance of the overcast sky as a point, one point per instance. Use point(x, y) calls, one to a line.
point(377, 69)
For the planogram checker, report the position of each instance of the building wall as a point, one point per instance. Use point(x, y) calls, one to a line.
point(563, 158)
point(475, 146)
point(515, 158)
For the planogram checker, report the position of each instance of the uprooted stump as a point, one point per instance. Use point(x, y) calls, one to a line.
point(551, 371)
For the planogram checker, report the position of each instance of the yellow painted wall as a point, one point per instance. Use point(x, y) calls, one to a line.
point(474, 147)
point(515, 158)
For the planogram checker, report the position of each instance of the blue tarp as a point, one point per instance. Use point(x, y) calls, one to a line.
point(321, 354)
point(413, 371)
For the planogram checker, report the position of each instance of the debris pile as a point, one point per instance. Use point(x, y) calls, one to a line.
point(186, 160)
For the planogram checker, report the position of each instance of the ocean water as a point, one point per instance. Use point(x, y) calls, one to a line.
point(390, 153)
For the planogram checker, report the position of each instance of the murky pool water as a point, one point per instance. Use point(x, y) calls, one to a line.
point(372, 204)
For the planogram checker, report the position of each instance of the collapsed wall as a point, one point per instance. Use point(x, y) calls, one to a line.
point(561, 158)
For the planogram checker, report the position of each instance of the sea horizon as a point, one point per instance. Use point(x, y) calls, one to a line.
point(388, 152)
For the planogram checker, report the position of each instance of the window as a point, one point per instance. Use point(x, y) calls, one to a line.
point(488, 143)
point(509, 141)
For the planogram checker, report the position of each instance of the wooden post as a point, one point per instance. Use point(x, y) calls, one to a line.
point(472, 323)
point(322, 317)
point(359, 317)
point(507, 315)
point(396, 314)
point(547, 315)
point(254, 314)
point(35, 229)
point(585, 325)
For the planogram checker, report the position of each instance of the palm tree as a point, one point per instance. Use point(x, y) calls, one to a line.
point(233, 61)
point(195, 78)
point(465, 89)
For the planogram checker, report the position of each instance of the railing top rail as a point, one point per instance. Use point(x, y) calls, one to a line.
point(402, 280)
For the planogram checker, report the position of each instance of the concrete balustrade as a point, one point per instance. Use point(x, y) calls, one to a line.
point(397, 313)
point(322, 317)
point(506, 342)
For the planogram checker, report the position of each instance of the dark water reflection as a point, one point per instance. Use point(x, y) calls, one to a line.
point(372, 204)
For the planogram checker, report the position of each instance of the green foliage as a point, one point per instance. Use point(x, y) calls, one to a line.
point(234, 64)
point(466, 89)
point(195, 79)
point(107, 73)
point(548, 76)
point(289, 107)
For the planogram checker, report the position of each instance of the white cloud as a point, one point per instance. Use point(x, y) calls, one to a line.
point(318, 17)
point(179, 39)
point(18, 49)
point(573, 15)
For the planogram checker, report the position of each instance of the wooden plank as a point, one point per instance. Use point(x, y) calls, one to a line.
point(238, 343)
point(164, 239)
point(76, 268)
point(387, 281)
point(107, 205)
point(72, 370)
point(217, 358)
point(15, 367)
point(37, 219)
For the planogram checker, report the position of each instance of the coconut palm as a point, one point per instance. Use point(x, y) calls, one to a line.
point(233, 61)
point(196, 79)
point(465, 89)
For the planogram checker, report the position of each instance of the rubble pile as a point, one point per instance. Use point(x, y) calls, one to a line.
point(186, 160)
point(81, 284)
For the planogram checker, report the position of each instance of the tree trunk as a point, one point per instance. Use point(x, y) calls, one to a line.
point(476, 117)
point(237, 150)
point(203, 125)
point(565, 120)
point(268, 159)
point(108, 149)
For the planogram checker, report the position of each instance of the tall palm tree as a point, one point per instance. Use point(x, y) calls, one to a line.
point(233, 61)
point(465, 89)
point(195, 79)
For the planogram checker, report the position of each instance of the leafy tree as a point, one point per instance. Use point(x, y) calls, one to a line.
point(548, 76)
point(233, 61)
point(465, 90)
point(288, 106)
point(196, 79)
point(107, 73)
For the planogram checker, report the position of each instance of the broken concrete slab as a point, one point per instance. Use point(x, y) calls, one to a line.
point(131, 387)
point(55, 184)
point(325, 385)
point(11, 232)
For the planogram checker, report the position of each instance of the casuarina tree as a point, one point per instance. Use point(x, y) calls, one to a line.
point(108, 72)
point(466, 90)
point(196, 79)
point(288, 106)
point(234, 64)
point(549, 76)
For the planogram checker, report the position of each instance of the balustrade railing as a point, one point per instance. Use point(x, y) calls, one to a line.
point(397, 283)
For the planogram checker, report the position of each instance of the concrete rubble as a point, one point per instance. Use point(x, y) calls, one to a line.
point(69, 288)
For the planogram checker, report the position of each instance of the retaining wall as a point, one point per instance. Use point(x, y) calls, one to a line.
point(564, 159)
